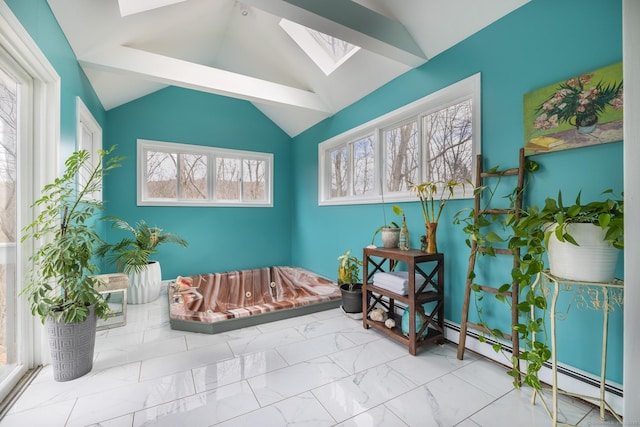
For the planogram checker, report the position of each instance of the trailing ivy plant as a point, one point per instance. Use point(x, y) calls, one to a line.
point(512, 232)
point(528, 230)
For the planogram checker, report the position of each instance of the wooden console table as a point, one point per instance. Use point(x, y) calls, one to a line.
point(417, 296)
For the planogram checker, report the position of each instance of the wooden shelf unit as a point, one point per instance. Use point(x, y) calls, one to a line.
point(373, 296)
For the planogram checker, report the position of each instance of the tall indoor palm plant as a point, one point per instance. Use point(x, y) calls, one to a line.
point(131, 255)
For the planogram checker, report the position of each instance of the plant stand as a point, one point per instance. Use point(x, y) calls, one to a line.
point(432, 329)
point(114, 292)
point(588, 295)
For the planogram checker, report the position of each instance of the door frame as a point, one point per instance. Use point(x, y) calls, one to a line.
point(37, 151)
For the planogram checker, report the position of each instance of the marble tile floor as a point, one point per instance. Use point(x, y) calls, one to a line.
point(321, 369)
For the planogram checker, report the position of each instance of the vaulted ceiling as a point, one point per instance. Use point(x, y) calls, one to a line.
point(130, 48)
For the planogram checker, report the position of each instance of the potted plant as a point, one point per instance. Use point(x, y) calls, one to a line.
point(390, 232)
point(428, 193)
point(61, 286)
point(131, 256)
point(581, 239)
point(535, 233)
point(349, 282)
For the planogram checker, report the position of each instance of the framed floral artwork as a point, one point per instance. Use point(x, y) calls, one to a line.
point(580, 111)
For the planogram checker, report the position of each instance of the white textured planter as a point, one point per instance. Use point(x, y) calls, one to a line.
point(145, 286)
point(593, 261)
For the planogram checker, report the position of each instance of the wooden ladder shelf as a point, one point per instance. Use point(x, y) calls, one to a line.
point(480, 178)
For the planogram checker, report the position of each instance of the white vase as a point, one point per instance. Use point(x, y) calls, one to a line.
point(145, 286)
point(593, 261)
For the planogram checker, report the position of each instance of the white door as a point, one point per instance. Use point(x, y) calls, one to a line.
point(29, 139)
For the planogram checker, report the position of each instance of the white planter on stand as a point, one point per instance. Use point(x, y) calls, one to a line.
point(593, 261)
point(145, 286)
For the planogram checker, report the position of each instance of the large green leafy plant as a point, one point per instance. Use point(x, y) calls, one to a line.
point(607, 214)
point(131, 254)
point(60, 281)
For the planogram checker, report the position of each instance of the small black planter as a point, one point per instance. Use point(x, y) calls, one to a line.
point(351, 300)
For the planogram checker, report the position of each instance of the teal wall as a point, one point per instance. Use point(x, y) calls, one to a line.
point(220, 238)
point(36, 17)
point(539, 44)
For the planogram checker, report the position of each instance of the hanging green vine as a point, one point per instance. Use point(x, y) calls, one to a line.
point(513, 231)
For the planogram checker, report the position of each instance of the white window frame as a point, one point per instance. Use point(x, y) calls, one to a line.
point(86, 124)
point(468, 88)
point(212, 153)
point(39, 139)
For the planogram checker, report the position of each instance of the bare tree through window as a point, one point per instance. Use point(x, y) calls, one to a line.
point(363, 166)
point(335, 47)
point(8, 126)
point(448, 140)
point(402, 156)
point(8, 220)
point(339, 164)
point(253, 181)
point(193, 177)
point(182, 174)
point(228, 178)
point(430, 140)
point(162, 172)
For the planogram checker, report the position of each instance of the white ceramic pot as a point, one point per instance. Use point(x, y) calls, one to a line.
point(593, 261)
point(145, 286)
point(390, 237)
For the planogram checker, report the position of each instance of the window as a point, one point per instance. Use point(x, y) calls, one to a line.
point(30, 137)
point(89, 137)
point(192, 175)
point(326, 51)
point(432, 139)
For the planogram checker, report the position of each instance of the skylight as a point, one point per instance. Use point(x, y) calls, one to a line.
point(130, 7)
point(326, 51)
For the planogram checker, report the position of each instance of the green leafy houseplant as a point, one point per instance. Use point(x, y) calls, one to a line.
point(607, 214)
point(391, 226)
point(131, 254)
point(348, 270)
point(61, 282)
point(349, 282)
point(531, 233)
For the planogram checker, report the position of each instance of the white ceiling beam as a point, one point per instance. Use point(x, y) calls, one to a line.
point(176, 72)
point(351, 22)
